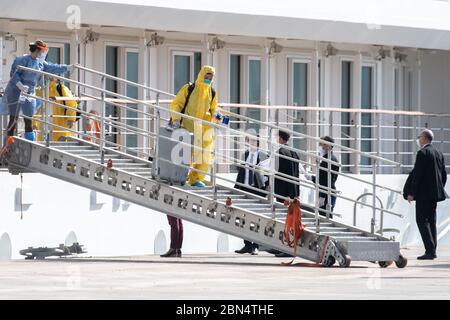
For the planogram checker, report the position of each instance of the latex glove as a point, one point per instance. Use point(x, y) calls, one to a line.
point(71, 68)
point(22, 87)
point(176, 124)
point(220, 117)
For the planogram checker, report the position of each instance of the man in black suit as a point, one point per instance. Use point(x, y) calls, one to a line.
point(326, 151)
point(287, 165)
point(427, 189)
point(250, 178)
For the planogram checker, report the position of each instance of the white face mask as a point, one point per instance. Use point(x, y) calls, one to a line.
point(418, 143)
point(322, 152)
point(42, 55)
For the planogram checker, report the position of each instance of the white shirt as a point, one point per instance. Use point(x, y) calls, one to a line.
point(252, 158)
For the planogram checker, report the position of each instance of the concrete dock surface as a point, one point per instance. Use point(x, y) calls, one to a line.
point(222, 276)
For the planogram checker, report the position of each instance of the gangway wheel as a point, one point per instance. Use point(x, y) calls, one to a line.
point(385, 264)
point(401, 262)
point(347, 261)
point(329, 262)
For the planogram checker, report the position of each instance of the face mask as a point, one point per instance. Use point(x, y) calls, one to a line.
point(42, 55)
point(418, 143)
point(207, 81)
point(322, 152)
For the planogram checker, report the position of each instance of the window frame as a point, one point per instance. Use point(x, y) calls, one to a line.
point(187, 52)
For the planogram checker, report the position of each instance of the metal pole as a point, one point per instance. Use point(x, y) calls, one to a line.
point(102, 123)
point(330, 123)
point(374, 191)
point(378, 136)
point(49, 127)
point(157, 125)
point(214, 167)
point(44, 111)
point(397, 141)
point(272, 174)
point(316, 209)
point(328, 207)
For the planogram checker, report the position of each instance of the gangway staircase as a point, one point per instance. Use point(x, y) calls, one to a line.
point(107, 168)
point(130, 178)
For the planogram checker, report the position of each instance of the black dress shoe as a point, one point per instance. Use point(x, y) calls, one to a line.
point(272, 251)
point(427, 256)
point(254, 251)
point(283, 255)
point(178, 253)
point(172, 253)
point(244, 249)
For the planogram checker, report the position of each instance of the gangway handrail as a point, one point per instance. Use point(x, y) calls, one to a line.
point(268, 124)
point(124, 80)
point(104, 91)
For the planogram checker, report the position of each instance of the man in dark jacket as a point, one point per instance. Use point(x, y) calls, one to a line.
point(288, 167)
point(326, 151)
point(250, 178)
point(427, 189)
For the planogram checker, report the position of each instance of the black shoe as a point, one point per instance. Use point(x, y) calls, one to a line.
point(254, 251)
point(272, 251)
point(178, 253)
point(244, 249)
point(283, 255)
point(427, 256)
point(172, 253)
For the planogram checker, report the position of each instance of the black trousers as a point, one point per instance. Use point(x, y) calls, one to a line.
point(426, 221)
point(12, 124)
point(247, 243)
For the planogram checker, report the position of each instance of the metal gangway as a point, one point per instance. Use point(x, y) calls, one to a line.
point(92, 161)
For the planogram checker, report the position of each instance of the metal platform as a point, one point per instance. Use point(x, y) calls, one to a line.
point(249, 217)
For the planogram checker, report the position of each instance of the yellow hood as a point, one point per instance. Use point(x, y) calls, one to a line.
point(203, 71)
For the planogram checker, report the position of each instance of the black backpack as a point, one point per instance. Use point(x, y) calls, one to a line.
point(190, 89)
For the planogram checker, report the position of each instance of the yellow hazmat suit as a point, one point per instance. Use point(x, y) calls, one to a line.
point(60, 116)
point(201, 105)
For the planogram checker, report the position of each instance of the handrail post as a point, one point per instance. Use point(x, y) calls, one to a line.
point(49, 127)
point(374, 191)
point(378, 135)
point(328, 207)
point(44, 111)
point(214, 167)
point(272, 174)
point(156, 142)
point(316, 209)
point(397, 141)
point(102, 122)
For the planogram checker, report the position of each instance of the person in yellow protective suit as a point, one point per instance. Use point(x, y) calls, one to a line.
point(61, 117)
point(202, 103)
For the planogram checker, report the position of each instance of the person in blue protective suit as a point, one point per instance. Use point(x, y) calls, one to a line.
point(25, 82)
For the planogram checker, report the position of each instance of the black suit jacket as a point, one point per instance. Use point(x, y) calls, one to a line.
point(323, 174)
point(428, 178)
point(287, 167)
